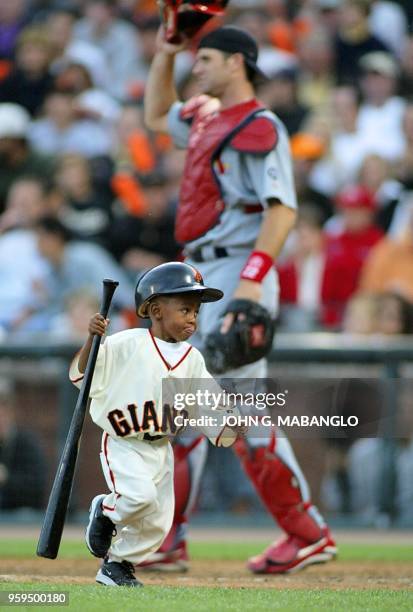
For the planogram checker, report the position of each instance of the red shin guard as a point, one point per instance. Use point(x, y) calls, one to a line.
point(279, 490)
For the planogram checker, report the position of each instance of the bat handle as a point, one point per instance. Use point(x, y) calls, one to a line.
point(109, 287)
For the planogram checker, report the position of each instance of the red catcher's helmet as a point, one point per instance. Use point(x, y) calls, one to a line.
point(187, 17)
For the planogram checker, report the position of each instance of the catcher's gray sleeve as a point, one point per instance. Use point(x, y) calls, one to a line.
point(177, 127)
point(271, 175)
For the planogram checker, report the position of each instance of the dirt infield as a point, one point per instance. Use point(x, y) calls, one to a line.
point(335, 575)
point(226, 534)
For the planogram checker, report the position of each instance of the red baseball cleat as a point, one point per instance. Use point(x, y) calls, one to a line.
point(175, 560)
point(292, 554)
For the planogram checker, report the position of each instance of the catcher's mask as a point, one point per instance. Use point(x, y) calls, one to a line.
point(187, 17)
point(169, 279)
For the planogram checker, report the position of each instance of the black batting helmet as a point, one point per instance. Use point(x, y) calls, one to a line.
point(169, 279)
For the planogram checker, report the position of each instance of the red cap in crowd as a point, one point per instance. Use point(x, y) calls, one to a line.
point(356, 196)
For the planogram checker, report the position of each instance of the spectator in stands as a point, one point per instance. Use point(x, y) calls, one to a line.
point(86, 210)
point(324, 271)
point(380, 117)
point(115, 38)
point(91, 102)
point(376, 175)
point(21, 267)
point(30, 80)
point(404, 167)
point(23, 468)
point(348, 248)
point(136, 156)
point(389, 265)
point(315, 54)
point(394, 317)
point(358, 201)
point(301, 276)
point(135, 150)
point(360, 315)
point(359, 490)
point(60, 24)
point(354, 40)
point(280, 94)
point(174, 164)
point(12, 21)
point(402, 208)
point(271, 58)
point(26, 202)
point(307, 149)
point(61, 130)
point(388, 22)
point(72, 265)
point(17, 158)
point(327, 15)
point(145, 241)
point(286, 22)
point(72, 323)
point(73, 77)
point(408, 9)
point(340, 165)
point(406, 79)
point(394, 314)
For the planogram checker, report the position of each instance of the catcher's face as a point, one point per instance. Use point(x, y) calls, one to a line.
point(213, 71)
point(174, 317)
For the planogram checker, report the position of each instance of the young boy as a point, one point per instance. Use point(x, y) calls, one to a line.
point(126, 394)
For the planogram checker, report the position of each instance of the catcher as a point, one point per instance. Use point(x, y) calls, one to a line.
point(237, 205)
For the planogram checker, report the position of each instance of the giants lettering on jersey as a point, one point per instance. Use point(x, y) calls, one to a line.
point(126, 423)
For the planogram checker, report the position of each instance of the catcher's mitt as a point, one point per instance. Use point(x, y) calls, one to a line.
point(248, 339)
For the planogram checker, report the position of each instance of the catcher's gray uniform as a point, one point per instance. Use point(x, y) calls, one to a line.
point(248, 178)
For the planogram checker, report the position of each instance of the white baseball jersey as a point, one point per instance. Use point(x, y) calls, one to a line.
point(126, 391)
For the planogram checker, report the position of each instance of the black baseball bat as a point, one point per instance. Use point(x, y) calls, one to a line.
point(54, 519)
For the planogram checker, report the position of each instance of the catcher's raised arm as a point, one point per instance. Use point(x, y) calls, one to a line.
point(160, 92)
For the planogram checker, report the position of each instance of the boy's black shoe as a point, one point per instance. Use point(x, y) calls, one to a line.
point(117, 574)
point(100, 529)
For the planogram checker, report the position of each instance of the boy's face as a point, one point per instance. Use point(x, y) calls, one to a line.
point(174, 317)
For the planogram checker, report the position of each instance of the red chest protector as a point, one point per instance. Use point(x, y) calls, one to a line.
point(200, 201)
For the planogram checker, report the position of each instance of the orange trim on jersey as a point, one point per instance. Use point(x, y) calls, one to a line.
point(159, 350)
point(167, 364)
point(75, 380)
point(112, 477)
point(182, 358)
point(220, 434)
point(111, 509)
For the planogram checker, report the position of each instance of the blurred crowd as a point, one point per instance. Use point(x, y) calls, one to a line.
point(86, 191)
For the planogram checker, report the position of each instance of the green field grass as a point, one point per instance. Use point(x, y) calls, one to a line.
point(218, 599)
point(207, 599)
point(235, 551)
